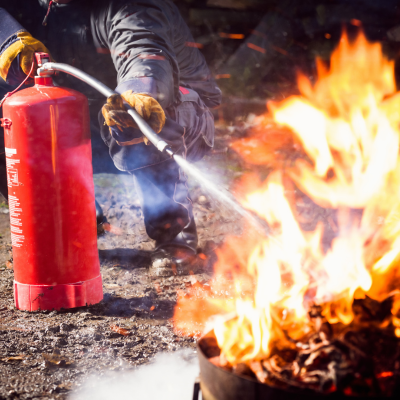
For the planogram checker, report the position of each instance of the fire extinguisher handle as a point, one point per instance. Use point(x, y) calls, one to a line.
point(50, 68)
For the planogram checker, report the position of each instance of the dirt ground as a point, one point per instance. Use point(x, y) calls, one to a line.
point(48, 355)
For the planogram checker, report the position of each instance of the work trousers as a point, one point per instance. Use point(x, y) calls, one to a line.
point(165, 200)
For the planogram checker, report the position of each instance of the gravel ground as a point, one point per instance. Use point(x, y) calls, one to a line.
point(48, 355)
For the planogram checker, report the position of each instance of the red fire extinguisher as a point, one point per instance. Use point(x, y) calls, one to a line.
point(51, 198)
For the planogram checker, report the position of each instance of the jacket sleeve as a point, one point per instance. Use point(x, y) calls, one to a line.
point(139, 38)
point(9, 29)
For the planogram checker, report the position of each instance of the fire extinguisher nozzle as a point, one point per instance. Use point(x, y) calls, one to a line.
point(169, 151)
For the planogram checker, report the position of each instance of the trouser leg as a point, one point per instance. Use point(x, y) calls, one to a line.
point(166, 204)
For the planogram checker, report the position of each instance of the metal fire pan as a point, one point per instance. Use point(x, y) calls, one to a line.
point(219, 384)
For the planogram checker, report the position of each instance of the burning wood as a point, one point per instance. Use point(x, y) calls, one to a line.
point(314, 306)
point(362, 358)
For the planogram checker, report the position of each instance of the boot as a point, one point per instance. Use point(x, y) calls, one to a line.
point(177, 256)
point(100, 219)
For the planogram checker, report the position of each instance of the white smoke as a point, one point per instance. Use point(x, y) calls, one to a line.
point(168, 377)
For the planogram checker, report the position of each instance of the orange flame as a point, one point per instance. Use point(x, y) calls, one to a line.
point(338, 144)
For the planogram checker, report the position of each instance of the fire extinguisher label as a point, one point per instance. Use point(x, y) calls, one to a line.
point(17, 238)
point(12, 171)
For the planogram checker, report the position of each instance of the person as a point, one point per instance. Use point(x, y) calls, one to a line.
point(145, 50)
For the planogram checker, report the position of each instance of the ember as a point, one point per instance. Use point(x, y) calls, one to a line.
point(315, 306)
point(121, 331)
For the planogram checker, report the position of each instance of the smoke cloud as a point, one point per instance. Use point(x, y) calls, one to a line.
point(168, 377)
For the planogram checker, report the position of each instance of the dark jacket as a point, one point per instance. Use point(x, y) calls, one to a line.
point(130, 39)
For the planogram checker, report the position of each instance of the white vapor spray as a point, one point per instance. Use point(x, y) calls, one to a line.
point(220, 194)
point(168, 377)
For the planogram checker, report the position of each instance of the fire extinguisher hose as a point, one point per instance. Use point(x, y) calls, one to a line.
point(49, 69)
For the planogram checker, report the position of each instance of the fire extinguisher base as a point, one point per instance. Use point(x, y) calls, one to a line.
point(55, 297)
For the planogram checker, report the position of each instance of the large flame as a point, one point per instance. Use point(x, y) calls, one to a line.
point(338, 144)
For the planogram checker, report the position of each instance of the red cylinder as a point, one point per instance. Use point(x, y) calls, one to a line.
point(51, 198)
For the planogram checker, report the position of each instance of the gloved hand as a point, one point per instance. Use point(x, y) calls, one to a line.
point(117, 118)
point(25, 46)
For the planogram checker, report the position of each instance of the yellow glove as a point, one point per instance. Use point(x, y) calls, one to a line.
point(146, 106)
point(26, 45)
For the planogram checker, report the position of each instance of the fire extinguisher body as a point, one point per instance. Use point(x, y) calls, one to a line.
point(51, 198)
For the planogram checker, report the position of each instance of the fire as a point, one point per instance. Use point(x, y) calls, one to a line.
point(337, 143)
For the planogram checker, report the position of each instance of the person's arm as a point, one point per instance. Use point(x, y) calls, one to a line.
point(139, 38)
point(17, 48)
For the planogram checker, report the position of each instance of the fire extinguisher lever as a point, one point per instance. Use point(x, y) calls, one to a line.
point(49, 68)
